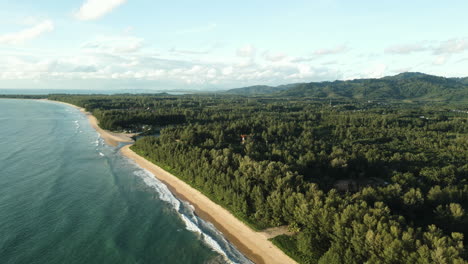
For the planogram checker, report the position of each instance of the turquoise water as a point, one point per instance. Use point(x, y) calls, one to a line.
point(66, 197)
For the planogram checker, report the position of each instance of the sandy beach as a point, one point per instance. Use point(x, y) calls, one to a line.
point(254, 245)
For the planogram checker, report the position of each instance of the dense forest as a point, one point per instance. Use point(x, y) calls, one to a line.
point(404, 86)
point(356, 181)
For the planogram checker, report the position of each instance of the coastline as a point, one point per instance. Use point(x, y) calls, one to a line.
point(111, 138)
point(254, 245)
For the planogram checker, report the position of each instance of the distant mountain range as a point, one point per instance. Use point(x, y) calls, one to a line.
point(404, 86)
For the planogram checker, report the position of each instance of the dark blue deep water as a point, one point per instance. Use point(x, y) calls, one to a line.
point(66, 197)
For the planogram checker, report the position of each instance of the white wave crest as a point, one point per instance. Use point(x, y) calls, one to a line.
point(192, 225)
point(77, 126)
point(208, 233)
point(215, 246)
point(189, 225)
point(161, 189)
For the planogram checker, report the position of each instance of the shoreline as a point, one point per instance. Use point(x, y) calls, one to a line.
point(254, 245)
point(111, 138)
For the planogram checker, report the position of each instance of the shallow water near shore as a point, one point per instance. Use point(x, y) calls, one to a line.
point(66, 197)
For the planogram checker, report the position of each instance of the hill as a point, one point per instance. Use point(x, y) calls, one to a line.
point(259, 89)
point(404, 86)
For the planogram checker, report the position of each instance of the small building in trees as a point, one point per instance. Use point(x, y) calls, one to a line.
point(243, 137)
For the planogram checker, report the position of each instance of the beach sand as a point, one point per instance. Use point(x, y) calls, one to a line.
point(254, 245)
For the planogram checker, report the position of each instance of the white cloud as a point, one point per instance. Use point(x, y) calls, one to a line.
point(107, 59)
point(207, 49)
point(27, 34)
point(331, 62)
point(103, 67)
point(301, 59)
point(274, 57)
point(36, 69)
point(246, 63)
point(452, 46)
point(211, 73)
point(190, 52)
point(114, 44)
point(331, 51)
point(227, 70)
point(94, 9)
point(403, 69)
point(197, 30)
point(440, 60)
point(246, 51)
point(31, 20)
point(316, 54)
point(375, 71)
point(405, 49)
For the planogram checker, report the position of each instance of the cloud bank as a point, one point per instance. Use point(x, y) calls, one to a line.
point(99, 61)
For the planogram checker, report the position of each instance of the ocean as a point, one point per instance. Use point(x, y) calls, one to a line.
point(67, 197)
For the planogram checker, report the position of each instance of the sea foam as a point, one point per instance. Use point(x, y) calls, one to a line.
point(161, 189)
point(77, 125)
point(206, 231)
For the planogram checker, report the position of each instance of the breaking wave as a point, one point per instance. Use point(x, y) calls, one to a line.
point(205, 230)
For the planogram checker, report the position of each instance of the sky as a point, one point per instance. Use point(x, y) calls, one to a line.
point(216, 45)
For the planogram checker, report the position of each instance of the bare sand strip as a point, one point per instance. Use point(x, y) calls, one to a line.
point(254, 245)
